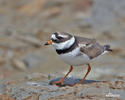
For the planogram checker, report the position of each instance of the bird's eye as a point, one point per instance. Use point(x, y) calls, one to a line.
point(54, 40)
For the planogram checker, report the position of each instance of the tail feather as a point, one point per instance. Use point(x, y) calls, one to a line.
point(107, 48)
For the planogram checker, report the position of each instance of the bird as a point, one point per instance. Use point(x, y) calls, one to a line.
point(76, 51)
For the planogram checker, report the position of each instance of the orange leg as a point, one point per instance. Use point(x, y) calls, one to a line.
point(61, 81)
point(89, 69)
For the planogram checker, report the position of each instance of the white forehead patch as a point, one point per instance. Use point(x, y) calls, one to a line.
point(53, 37)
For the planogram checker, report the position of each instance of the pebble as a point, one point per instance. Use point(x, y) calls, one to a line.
point(19, 64)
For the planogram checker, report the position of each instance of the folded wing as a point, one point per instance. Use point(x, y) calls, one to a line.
point(90, 47)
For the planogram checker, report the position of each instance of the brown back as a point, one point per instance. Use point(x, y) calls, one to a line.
point(92, 48)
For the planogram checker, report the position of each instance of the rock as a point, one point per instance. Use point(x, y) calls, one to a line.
point(35, 76)
point(2, 60)
point(19, 64)
point(35, 5)
point(34, 58)
point(70, 81)
point(103, 17)
point(31, 40)
point(2, 87)
point(41, 89)
point(6, 97)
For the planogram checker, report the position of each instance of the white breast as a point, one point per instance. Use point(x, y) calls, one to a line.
point(73, 58)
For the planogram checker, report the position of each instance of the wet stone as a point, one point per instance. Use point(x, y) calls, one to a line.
point(70, 81)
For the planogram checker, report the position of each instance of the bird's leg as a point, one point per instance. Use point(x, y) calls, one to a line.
point(61, 81)
point(89, 69)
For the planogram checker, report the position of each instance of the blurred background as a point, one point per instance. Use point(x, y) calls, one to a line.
point(25, 25)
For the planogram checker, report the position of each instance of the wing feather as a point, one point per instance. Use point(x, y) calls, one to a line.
point(84, 41)
point(93, 51)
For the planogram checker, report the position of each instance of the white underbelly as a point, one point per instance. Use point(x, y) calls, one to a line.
point(72, 58)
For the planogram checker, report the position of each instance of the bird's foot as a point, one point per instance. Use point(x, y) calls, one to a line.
point(59, 83)
point(80, 83)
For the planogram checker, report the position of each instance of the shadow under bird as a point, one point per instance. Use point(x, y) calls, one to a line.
point(75, 51)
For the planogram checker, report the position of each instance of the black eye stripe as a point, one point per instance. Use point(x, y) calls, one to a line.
point(59, 37)
point(56, 41)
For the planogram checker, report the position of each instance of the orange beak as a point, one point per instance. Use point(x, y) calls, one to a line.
point(48, 43)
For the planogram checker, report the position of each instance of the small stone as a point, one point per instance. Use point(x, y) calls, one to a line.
point(18, 64)
point(2, 60)
point(34, 76)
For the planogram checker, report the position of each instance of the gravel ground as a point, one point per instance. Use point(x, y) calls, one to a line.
point(37, 88)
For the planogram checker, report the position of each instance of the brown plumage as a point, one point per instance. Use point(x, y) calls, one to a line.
point(83, 40)
point(91, 47)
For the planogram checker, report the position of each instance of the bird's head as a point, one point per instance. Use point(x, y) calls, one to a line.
point(61, 40)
